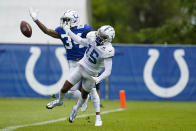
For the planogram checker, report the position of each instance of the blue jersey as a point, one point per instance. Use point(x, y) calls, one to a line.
point(74, 51)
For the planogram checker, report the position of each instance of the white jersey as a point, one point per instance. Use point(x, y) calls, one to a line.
point(94, 56)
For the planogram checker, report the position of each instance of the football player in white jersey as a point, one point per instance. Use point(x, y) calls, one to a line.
point(97, 57)
point(74, 51)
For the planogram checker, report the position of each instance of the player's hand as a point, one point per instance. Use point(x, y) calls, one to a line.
point(33, 14)
point(96, 79)
point(66, 27)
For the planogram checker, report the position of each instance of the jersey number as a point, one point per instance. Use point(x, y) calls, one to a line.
point(93, 55)
point(70, 45)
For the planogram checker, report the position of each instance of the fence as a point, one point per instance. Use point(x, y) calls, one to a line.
point(144, 72)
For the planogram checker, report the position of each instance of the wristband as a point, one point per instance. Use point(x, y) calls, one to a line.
point(36, 20)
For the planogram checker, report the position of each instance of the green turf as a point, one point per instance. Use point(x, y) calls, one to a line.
point(138, 116)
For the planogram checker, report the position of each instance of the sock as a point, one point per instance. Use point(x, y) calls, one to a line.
point(61, 97)
point(95, 100)
point(98, 117)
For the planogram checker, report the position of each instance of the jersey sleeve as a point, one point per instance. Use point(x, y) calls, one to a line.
point(107, 71)
point(59, 30)
point(109, 52)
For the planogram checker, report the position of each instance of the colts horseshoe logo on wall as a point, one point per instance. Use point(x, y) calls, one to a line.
point(32, 81)
point(169, 91)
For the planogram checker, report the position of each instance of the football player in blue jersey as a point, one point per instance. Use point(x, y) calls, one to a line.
point(74, 51)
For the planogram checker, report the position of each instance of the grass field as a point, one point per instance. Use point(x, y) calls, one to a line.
point(138, 116)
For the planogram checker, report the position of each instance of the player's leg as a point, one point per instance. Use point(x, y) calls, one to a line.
point(84, 106)
point(87, 85)
point(74, 90)
point(76, 93)
point(76, 107)
point(67, 85)
point(98, 92)
point(96, 104)
point(72, 80)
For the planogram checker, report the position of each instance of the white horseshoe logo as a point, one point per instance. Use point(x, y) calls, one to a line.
point(29, 72)
point(171, 91)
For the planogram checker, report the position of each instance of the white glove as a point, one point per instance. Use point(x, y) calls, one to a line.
point(96, 79)
point(66, 27)
point(33, 14)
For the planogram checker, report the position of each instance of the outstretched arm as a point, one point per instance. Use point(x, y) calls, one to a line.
point(47, 31)
point(76, 38)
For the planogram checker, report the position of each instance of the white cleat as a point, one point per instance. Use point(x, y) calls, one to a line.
point(53, 104)
point(98, 122)
point(84, 107)
point(73, 114)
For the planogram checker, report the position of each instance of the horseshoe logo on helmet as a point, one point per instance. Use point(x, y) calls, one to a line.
point(169, 91)
point(29, 72)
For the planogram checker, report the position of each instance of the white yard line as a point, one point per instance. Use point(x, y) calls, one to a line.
point(9, 128)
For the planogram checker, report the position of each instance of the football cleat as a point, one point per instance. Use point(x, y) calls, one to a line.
point(53, 104)
point(98, 122)
point(73, 114)
point(84, 107)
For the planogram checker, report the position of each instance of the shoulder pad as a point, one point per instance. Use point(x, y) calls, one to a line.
point(59, 30)
point(85, 27)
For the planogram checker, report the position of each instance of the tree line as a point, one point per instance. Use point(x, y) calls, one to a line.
point(148, 21)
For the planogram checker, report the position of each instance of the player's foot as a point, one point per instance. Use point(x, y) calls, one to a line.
point(53, 104)
point(84, 107)
point(98, 122)
point(73, 114)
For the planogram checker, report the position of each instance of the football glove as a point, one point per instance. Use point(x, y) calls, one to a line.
point(33, 14)
point(96, 79)
point(66, 27)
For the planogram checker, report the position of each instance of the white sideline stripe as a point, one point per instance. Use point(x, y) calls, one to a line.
point(9, 128)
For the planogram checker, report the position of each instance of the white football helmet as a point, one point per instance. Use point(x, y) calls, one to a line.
point(105, 34)
point(71, 16)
